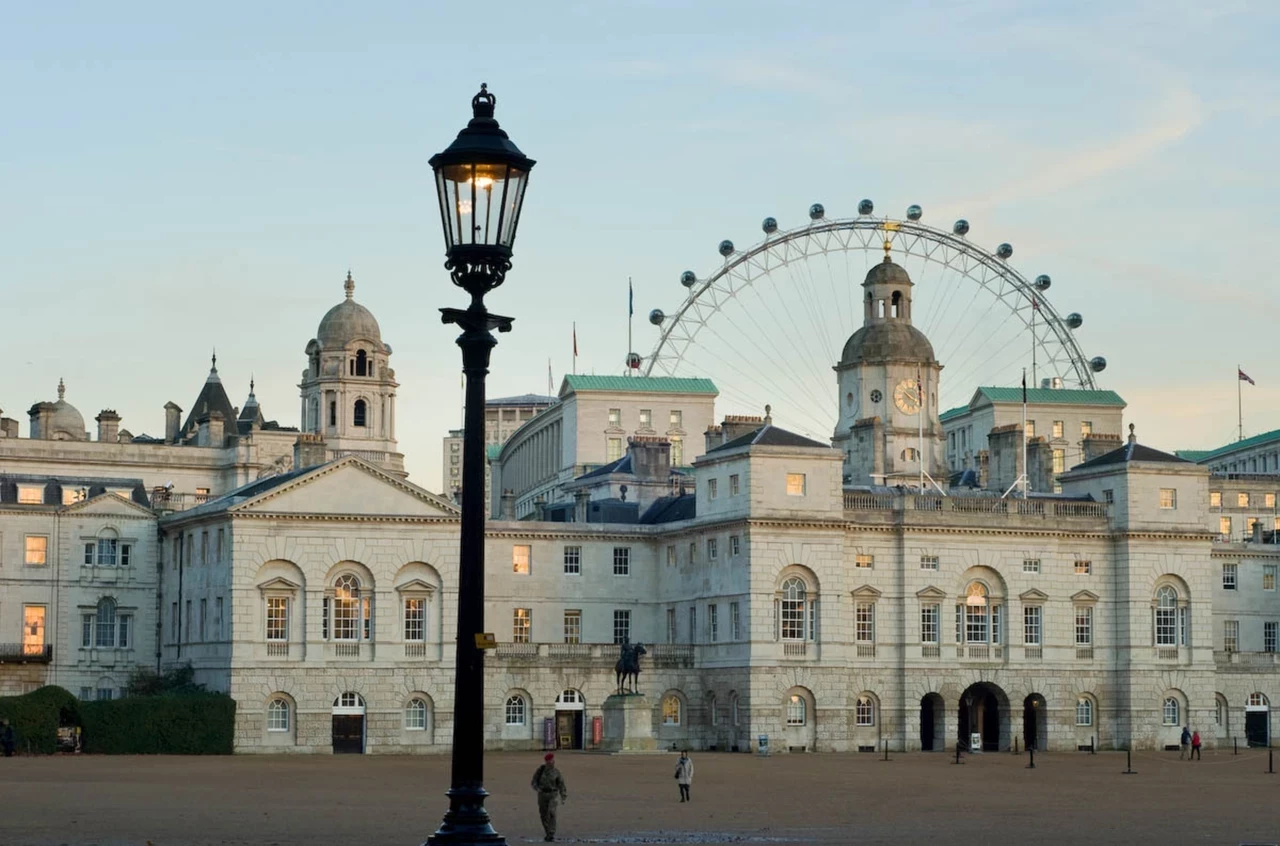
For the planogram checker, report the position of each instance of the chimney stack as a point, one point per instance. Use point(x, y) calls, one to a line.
point(508, 504)
point(211, 433)
point(108, 426)
point(308, 451)
point(580, 501)
point(172, 421)
point(650, 457)
point(40, 416)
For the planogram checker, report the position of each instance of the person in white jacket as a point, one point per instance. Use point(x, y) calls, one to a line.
point(684, 775)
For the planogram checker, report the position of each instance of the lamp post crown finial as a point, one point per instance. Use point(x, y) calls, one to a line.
point(482, 104)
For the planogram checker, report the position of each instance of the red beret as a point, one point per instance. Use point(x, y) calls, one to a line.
point(547, 757)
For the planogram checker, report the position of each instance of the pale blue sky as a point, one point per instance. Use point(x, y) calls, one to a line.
point(175, 178)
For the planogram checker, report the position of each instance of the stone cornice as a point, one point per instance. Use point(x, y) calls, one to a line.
point(339, 518)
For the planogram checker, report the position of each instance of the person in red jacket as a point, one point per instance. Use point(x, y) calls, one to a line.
point(1195, 746)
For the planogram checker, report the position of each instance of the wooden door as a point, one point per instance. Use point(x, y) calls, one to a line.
point(348, 734)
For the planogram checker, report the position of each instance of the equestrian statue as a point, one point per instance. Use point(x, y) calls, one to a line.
point(628, 666)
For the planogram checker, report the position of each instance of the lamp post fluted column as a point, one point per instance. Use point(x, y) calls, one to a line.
point(480, 181)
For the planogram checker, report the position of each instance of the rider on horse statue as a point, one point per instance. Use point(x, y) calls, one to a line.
point(628, 666)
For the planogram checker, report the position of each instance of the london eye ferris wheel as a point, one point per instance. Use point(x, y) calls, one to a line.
point(769, 323)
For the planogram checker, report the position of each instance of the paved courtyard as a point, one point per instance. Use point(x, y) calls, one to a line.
point(820, 799)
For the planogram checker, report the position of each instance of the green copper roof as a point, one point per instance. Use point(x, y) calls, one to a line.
point(641, 384)
point(1053, 396)
point(952, 412)
point(1192, 454)
point(1209, 454)
point(492, 450)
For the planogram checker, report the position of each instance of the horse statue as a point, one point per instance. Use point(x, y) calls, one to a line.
point(628, 666)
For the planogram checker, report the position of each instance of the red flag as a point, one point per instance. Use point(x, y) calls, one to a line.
point(1244, 377)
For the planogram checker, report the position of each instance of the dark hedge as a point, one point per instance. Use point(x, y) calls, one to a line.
point(35, 717)
point(193, 724)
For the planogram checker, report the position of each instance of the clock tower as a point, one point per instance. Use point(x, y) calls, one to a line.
point(888, 381)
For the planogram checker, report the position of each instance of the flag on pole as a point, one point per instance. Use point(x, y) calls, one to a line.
point(631, 299)
point(575, 340)
point(1244, 377)
point(1024, 387)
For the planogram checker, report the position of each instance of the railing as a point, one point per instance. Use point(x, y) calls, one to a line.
point(162, 500)
point(863, 501)
point(346, 650)
point(979, 652)
point(979, 505)
point(858, 501)
point(866, 650)
point(927, 503)
point(1167, 653)
point(1079, 509)
point(415, 649)
point(930, 651)
point(794, 649)
point(26, 653)
point(670, 654)
point(278, 649)
point(370, 455)
point(1033, 653)
point(1084, 653)
point(516, 650)
point(1032, 507)
point(1247, 659)
point(572, 650)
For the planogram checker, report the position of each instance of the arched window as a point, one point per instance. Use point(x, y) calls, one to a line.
point(278, 715)
point(415, 715)
point(976, 614)
point(361, 414)
point(515, 710)
point(1170, 711)
point(795, 710)
point(349, 700)
point(794, 609)
point(1084, 711)
point(362, 363)
point(896, 304)
point(1256, 701)
point(711, 709)
point(671, 710)
point(1166, 616)
point(865, 711)
point(346, 608)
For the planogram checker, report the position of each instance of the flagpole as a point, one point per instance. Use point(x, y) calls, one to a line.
point(1026, 476)
point(1035, 307)
point(1239, 404)
point(575, 348)
point(920, 448)
point(631, 310)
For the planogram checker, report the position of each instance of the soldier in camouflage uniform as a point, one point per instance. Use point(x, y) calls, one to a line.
point(549, 784)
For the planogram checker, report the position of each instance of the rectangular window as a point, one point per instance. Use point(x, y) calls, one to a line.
point(1242, 500)
point(107, 552)
point(713, 486)
point(928, 562)
point(573, 627)
point(37, 550)
point(1215, 499)
point(621, 626)
point(573, 560)
point(646, 418)
point(1231, 635)
point(521, 553)
point(713, 623)
point(976, 619)
point(622, 561)
point(415, 619)
point(1031, 565)
point(173, 622)
point(521, 625)
point(671, 625)
point(204, 607)
point(1086, 428)
point(733, 484)
point(671, 555)
point(864, 562)
point(1083, 567)
point(1057, 428)
point(693, 624)
point(865, 622)
point(221, 540)
point(615, 418)
point(204, 547)
point(795, 484)
point(277, 618)
point(613, 450)
point(735, 621)
point(693, 552)
point(929, 623)
point(30, 495)
point(186, 634)
point(88, 554)
point(217, 618)
point(1168, 499)
point(1084, 625)
point(1229, 576)
point(1269, 636)
point(1224, 527)
point(106, 694)
point(1269, 500)
point(1059, 461)
point(126, 554)
point(676, 419)
point(1031, 624)
point(1109, 496)
point(713, 549)
point(734, 546)
point(1268, 576)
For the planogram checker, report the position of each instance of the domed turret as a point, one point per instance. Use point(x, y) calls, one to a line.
point(348, 322)
point(57, 421)
point(887, 333)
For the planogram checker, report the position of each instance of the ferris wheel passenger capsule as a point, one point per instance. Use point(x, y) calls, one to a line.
point(1097, 364)
point(770, 225)
point(688, 278)
point(914, 212)
point(1074, 320)
point(657, 316)
point(1043, 282)
point(633, 361)
point(866, 207)
point(1004, 251)
point(816, 211)
point(961, 227)
point(726, 248)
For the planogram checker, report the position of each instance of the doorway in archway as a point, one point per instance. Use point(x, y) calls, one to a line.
point(570, 715)
point(1035, 723)
point(348, 724)
point(933, 728)
point(984, 718)
point(1257, 720)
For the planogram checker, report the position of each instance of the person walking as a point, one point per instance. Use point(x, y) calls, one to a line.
point(549, 785)
point(6, 738)
point(1195, 746)
point(684, 775)
point(1184, 745)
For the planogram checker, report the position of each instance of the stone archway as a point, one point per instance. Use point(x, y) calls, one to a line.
point(984, 712)
point(1035, 723)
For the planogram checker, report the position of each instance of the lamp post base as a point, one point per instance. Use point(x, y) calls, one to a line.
point(466, 821)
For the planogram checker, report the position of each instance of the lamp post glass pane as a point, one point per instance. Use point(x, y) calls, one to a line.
point(480, 203)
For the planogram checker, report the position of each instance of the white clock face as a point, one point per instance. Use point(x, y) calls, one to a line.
point(907, 397)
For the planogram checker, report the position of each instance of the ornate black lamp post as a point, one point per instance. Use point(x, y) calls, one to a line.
point(480, 180)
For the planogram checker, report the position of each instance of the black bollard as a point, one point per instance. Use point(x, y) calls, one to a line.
point(1032, 765)
point(1235, 744)
point(1271, 764)
point(957, 752)
point(1093, 745)
point(1015, 744)
point(1128, 762)
point(886, 750)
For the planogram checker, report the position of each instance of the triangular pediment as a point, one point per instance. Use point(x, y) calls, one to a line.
point(110, 504)
point(348, 487)
point(866, 592)
point(1084, 596)
point(1034, 595)
point(279, 583)
point(416, 586)
point(931, 592)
